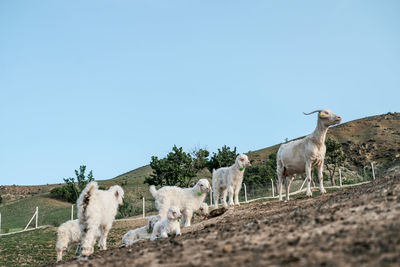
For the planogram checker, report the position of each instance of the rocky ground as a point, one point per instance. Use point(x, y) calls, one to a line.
point(351, 227)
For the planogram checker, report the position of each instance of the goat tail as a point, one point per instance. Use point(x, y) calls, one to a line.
point(84, 198)
point(153, 191)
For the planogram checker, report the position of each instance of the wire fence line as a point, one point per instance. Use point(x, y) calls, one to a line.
point(249, 193)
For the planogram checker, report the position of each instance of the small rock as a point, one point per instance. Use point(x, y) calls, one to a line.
point(227, 249)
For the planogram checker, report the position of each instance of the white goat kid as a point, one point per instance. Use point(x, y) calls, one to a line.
point(140, 233)
point(229, 179)
point(202, 211)
point(170, 225)
point(299, 156)
point(186, 199)
point(96, 212)
point(67, 234)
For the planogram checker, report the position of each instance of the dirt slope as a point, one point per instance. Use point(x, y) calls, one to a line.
point(351, 227)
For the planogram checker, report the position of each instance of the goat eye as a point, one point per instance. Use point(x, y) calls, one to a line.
point(174, 212)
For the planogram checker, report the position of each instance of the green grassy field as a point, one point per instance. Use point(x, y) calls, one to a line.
point(16, 214)
point(37, 247)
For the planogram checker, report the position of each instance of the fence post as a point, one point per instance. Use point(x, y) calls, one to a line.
point(340, 177)
point(272, 188)
point(37, 215)
point(26, 227)
point(373, 171)
point(211, 198)
point(245, 192)
point(72, 212)
point(144, 209)
point(301, 187)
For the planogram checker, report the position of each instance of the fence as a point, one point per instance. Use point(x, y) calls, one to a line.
point(249, 193)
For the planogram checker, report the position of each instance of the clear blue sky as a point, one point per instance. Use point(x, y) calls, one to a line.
point(108, 84)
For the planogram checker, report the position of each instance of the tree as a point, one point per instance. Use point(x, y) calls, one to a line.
point(71, 190)
point(262, 173)
point(200, 158)
point(334, 157)
point(1, 199)
point(224, 158)
point(175, 169)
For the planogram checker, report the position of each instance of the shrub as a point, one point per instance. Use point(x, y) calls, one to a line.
point(71, 190)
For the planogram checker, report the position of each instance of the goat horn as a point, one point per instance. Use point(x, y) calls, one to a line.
point(318, 110)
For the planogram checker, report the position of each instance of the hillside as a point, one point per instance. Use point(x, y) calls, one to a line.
point(375, 138)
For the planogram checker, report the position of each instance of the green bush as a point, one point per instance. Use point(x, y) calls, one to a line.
point(349, 181)
point(71, 190)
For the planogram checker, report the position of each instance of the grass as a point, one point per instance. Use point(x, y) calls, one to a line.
point(37, 247)
point(28, 249)
point(17, 214)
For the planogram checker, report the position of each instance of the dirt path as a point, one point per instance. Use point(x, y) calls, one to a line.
point(351, 227)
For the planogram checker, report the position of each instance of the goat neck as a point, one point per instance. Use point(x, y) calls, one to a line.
point(319, 134)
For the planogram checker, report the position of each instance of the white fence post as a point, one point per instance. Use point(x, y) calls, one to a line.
point(272, 188)
point(37, 215)
point(373, 171)
point(340, 177)
point(301, 187)
point(144, 209)
point(72, 212)
point(245, 192)
point(211, 200)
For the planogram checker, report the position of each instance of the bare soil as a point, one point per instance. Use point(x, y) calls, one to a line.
point(351, 227)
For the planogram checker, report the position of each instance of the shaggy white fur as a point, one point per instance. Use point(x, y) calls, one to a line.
point(67, 234)
point(299, 156)
point(170, 225)
point(96, 212)
point(141, 233)
point(202, 211)
point(187, 199)
point(229, 179)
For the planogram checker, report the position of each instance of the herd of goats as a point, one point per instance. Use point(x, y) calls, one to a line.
point(176, 206)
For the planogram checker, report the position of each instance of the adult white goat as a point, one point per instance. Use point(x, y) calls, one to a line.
point(299, 156)
point(96, 212)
